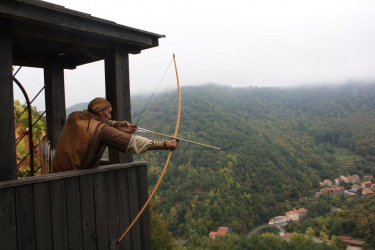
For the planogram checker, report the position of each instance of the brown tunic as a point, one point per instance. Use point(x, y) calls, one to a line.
point(83, 140)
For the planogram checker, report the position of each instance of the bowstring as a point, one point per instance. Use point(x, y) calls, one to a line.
point(154, 92)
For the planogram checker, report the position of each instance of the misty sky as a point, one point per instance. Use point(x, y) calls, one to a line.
point(237, 43)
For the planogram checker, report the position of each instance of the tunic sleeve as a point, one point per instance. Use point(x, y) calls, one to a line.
point(115, 139)
point(138, 145)
point(124, 142)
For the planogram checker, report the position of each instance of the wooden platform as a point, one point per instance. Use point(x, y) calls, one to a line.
point(81, 209)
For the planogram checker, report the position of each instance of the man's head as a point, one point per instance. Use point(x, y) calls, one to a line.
point(101, 107)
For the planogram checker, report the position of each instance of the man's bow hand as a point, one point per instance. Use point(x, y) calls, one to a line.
point(127, 127)
point(171, 144)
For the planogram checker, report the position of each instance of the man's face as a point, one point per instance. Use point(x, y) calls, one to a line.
point(105, 114)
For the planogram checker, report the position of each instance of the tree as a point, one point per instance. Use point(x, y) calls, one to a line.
point(335, 229)
point(299, 241)
point(23, 147)
point(324, 237)
point(338, 243)
point(161, 238)
point(310, 233)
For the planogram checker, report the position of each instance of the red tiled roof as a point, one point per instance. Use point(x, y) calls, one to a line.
point(366, 182)
point(287, 235)
point(222, 231)
point(349, 241)
point(355, 186)
point(301, 210)
point(212, 233)
point(357, 242)
point(367, 191)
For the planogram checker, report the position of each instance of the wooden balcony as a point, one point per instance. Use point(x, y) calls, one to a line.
point(81, 209)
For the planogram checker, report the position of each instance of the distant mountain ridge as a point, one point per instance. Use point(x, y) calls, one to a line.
point(76, 107)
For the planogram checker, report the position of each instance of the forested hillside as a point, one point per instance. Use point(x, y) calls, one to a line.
point(278, 144)
point(277, 147)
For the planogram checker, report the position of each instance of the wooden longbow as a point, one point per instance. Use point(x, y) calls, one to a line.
point(166, 163)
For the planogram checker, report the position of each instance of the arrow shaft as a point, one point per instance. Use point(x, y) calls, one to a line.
point(181, 139)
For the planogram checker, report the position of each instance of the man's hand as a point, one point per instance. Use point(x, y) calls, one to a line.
point(127, 127)
point(171, 144)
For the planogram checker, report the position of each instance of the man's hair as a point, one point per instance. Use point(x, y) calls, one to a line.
point(98, 104)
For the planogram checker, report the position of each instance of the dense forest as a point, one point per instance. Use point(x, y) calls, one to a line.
point(278, 144)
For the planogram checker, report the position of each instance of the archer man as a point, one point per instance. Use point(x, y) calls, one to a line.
point(87, 133)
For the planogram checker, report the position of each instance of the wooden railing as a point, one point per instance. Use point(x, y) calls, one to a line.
point(81, 209)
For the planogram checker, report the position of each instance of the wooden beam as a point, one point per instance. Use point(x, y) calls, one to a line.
point(27, 29)
point(23, 29)
point(78, 23)
point(77, 57)
point(8, 170)
point(118, 92)
point(30, 60)
point(55, 100)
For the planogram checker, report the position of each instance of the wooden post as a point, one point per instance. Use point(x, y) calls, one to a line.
point(8, 170)
point(118, 93)
point(55, 101)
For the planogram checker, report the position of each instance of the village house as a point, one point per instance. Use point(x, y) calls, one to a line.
point(221, 232)
point(326, 182)
point(366, 192)
point(366, 184)
point(368, 177)
point(287, 236)
point(355, 187)
point(347, 179)
point(353, 178)
point(350, 242)
point(372, 186)
point(296, 214)
point(333, 191)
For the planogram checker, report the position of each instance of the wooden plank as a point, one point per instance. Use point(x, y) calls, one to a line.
point(73, 211)
point(124, 207)
point(7, 143)
point(58, 213)
point(118, 93)
point(8, 229)
point(68, 174)
point(113, 209)
point(145, 217)
point(100, 200)
point(134, 207)
point(88, 212)
point(55, 101)
point(25, 217)
point(43, 222)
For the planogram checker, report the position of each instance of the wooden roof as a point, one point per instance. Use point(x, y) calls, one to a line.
point(41, 30)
